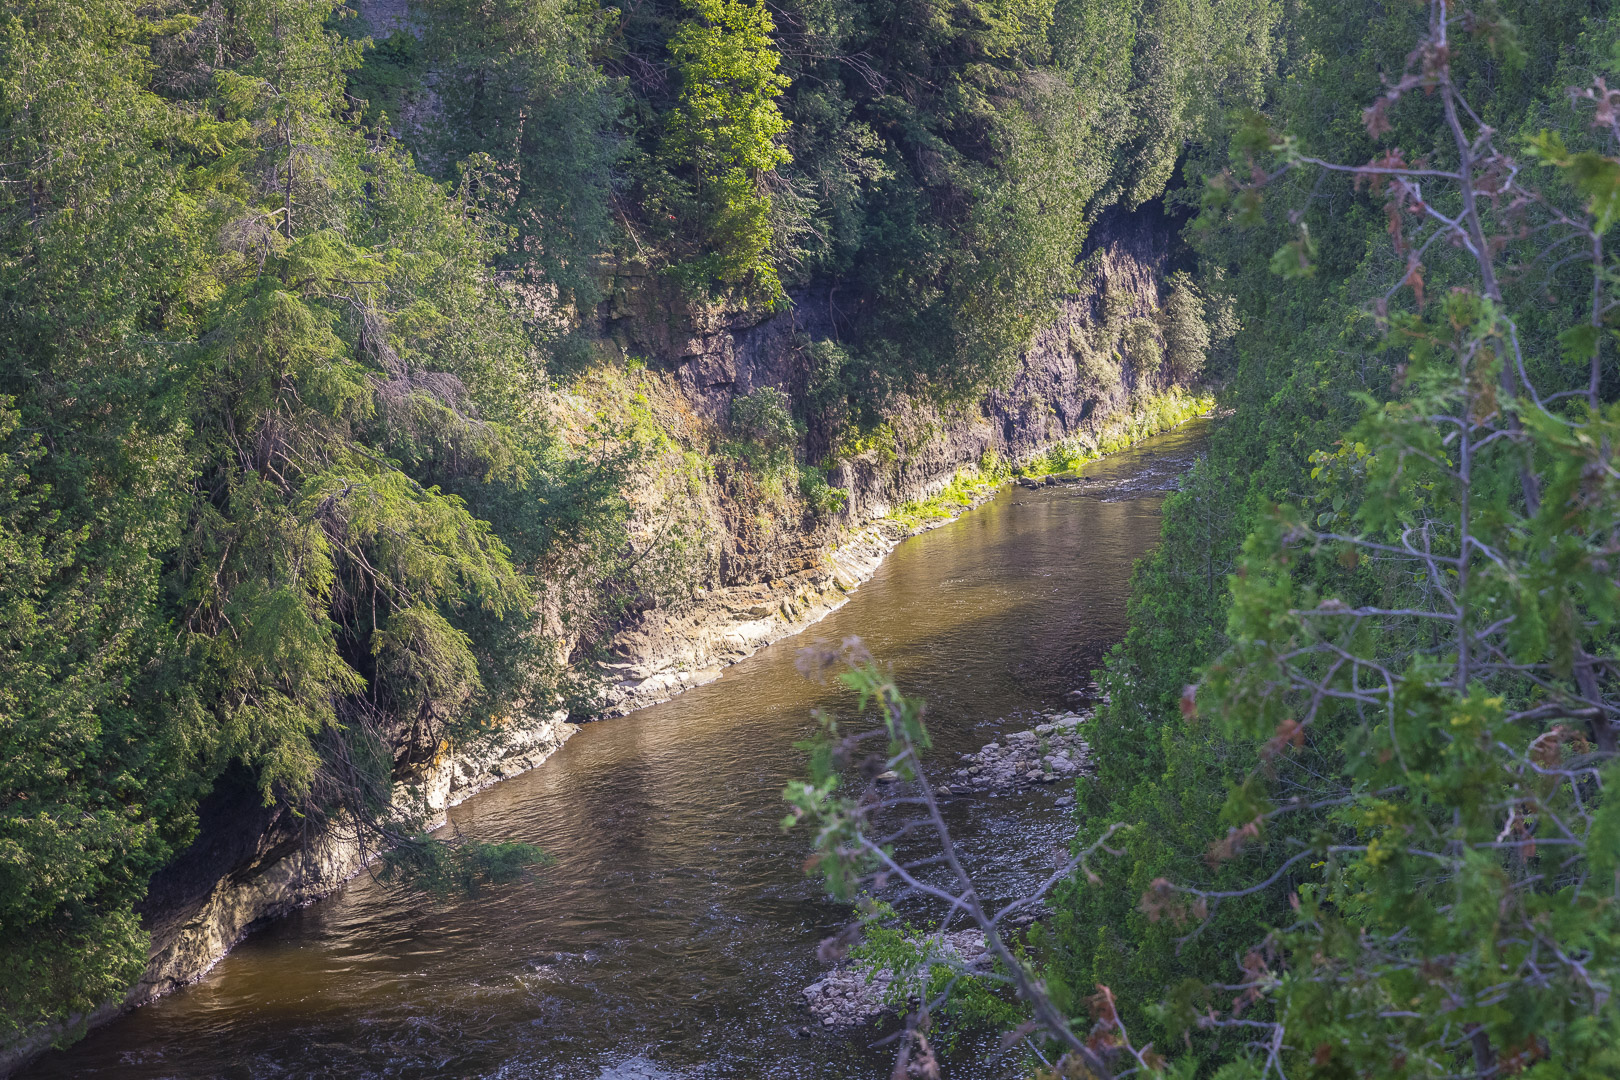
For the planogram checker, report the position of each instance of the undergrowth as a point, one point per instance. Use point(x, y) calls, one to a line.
point(1153, 414)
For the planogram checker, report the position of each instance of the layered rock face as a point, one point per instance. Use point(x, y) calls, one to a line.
point(767, 588)
point(253, 863)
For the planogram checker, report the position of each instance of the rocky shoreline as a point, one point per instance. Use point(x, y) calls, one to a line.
point(720, 629)
point(670, 652)
point(283, 871)
point(1045, 754)
point(857, 992)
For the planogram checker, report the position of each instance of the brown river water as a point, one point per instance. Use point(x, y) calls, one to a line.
point(672, 937)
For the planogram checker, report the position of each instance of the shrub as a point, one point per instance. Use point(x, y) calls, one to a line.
point(765, 417)
point(819, 495)
point(1185, 330)
point(1142, 346)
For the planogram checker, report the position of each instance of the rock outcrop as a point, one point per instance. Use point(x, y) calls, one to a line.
point(665, 653)
point(771, 582)
point(252, 863)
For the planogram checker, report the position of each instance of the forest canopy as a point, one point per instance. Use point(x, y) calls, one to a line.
point(286, 295)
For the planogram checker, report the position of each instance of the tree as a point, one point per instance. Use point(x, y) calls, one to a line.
point(1450, 731)
point(98, 733)
point(244, 344)
point(1309, 354)
point(1185, 329)
point(518, 87)
point(723, 139)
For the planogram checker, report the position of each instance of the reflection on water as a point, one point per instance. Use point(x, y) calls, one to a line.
point(673, 935)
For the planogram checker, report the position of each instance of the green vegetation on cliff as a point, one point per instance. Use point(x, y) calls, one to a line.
point(276, 482)
point(932, 168)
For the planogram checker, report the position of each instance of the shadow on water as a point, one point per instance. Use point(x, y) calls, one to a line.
point(673, 935)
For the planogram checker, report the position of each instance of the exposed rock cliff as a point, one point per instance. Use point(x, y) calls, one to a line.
point(1080, 375)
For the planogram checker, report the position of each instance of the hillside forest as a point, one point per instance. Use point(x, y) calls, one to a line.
point(294, 297)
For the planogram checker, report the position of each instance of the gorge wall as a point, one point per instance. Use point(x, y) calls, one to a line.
point(755, 564)
point(775, 566)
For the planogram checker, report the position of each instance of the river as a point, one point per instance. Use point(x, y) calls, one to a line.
point(673, 935)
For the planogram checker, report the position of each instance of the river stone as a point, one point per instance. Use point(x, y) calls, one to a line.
point(1044, 755)
point(637, 1068)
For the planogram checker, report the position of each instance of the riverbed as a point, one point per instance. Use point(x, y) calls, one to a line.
point(673, 935)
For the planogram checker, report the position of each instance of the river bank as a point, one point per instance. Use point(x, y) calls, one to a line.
point(857, 991)
point(676, 926)
point(668, 652)
point(692, 648)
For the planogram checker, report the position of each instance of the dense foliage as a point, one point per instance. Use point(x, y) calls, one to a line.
point(1355, 830)
point(931, 169)
point(264, 410)
point(282, 305)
